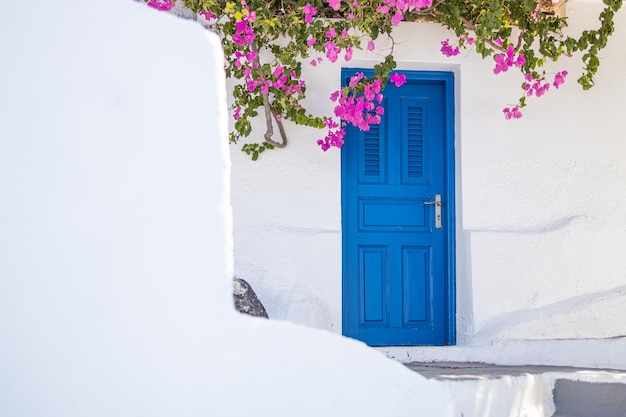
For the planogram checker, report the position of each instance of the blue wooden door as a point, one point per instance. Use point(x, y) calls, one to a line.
point(398, 259)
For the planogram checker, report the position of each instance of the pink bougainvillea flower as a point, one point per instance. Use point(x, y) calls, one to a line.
point(448, 50)
point(315, 61)
point(330, 122)
point(309, 9)
point(334, 4)
point(397, 79)
point(372, 119)
point(371, 46)
point(334, 139)
point(468, 39)
point(309, 12)
point(535, 13)
point(323, 144)
point(507, 60)
point(510, 53)
point(348, 55)
point(359, 110)
point(265, 88)
point(541, 89)
point(535, 86)
point(420, 4)
point(311, 41)
point(163, 5)
point(397, 17)
point(356, 78)
point(501, 64)
point(332, 51)
point(238, 54)
point(559, 78)
point(244, 35)
point(540, 86)
point(278, 71)
point(370, 91)
point(512, 113)
point(208, 15)
point(383, 9)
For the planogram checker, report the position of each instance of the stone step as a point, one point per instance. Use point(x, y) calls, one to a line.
point(540, 391)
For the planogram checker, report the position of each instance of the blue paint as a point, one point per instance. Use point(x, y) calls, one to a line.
point(398, 269)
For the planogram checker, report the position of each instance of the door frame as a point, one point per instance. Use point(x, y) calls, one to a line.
point(447, 78)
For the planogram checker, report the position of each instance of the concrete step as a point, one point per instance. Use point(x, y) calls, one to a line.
point(538, 391)
point(584, 353)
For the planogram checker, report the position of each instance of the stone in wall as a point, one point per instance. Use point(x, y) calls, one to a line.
point(246, 300)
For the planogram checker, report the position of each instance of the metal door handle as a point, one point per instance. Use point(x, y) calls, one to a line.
point(438, 205)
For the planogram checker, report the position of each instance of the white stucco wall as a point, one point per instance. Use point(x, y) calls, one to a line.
point(541, 229)
point(116, 243)
point(115, 232)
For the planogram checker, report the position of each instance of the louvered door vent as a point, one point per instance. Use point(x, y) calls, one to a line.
point(415, 143)
point(371, 152)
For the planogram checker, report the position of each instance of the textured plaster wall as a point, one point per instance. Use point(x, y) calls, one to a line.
point(541, 225)
point(116, 252)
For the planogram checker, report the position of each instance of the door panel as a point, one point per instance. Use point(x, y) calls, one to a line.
point(397, 275)
point(374, 284)
point(416, 288)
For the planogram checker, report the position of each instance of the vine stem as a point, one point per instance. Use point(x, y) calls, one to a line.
point(269, 133)
point(269, 114)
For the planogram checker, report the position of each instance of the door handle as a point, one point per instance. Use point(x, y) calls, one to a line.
point(437, 204)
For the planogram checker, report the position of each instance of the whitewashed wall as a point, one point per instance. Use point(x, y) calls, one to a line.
point(116, 242)
point(541, 218)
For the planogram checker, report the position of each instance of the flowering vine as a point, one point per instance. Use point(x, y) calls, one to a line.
point(267, 43)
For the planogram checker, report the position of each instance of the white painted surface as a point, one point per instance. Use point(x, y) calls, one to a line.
point(541, 225)
point(114, 222)
point(115, 242)
point(589, 353)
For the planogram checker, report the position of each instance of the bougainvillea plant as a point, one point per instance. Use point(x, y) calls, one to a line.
point(267, 43)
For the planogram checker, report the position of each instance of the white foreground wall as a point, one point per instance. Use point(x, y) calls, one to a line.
point(541, 224)
point(116, 242)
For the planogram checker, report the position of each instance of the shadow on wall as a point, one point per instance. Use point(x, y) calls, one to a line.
point(283, 299)
point(582, 317)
